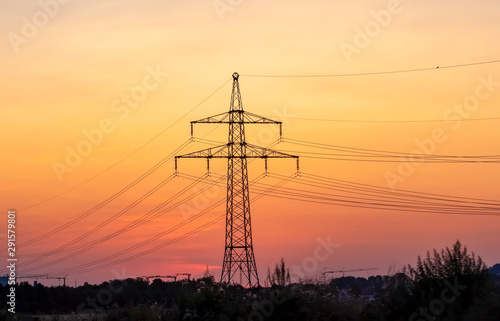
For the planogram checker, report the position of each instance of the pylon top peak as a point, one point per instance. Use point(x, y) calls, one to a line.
point(235, 76)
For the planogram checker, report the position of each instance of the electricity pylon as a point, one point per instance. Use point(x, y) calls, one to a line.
point(238, 254)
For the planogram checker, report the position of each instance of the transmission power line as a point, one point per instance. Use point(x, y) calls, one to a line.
point(336, 192)
point(346, 153)
point(142, 220)
point(280, 76)
point(376, 197)
point(370, 196)
point(359, 195)
point(103, 224)
point(102, 262)
point(151, 215)
point(374, 155)
point(156, 212)
point(307, 180)
point(85, 214)
point(389, 121)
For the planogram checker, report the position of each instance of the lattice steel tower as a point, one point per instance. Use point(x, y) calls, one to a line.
point(238, 254)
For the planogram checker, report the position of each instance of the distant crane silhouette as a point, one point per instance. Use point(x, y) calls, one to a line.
point(187, 274)
point(174, 277)
point(34, 276)
point(59, 278)
point(343, 271)
point(44, 276)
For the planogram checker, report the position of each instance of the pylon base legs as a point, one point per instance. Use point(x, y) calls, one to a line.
point(239, 266)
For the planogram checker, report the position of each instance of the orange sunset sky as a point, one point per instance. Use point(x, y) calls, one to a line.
point(137, 71)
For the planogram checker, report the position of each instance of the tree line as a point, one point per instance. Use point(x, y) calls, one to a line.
point(451, 284)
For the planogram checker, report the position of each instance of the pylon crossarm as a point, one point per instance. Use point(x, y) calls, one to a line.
point(217, 119)
point(251, 118)
point(220, 151)
point(254, 151)
point(223, 118)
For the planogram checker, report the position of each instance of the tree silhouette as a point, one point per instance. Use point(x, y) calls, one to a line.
point(280, 275)
point(442, 286)
point(450, 263)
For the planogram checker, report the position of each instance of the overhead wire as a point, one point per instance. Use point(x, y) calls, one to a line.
point(132, 153)
point(144, 175)
point(372, 196)
point(449, 198)
point(388, 121)
point(85, 267)
point(103, 224)
point(295, 76)
point(374, 73)
point(135, 223)
point(402, 197)
point(373, 155)
point(400, 201)
point(85, 214)
point(210, 223)
point(79, 217)
point(356, 152)
point(272, 192)
point(378, 206)
point(197, 215)
point(153, 214)
point(87, 246)
point(396, 201)
point(92, 210)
